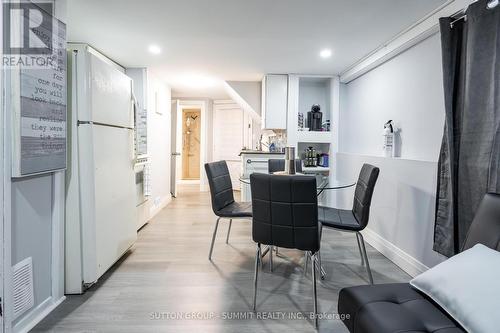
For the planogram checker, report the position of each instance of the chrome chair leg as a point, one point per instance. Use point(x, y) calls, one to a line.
point(257, 259)
point(271, 258)
point(317, 261)
point(261, 260)
point(306, 262)
point(368, 269)
point(322, 271)
point(360, 251)
point(315, 295)
point(213, 239)
point(229, 230)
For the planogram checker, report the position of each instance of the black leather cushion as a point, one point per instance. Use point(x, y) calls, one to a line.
point(285, 211)
point(364, 192)
point(399, 308)
point(275, 165)
point(390, 308)
point(485, 227)
point(338, 218)
point(221, 188)
point(236, 209)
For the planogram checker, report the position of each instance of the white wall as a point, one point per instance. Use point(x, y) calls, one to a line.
point(407, 89)
point(33, 227)
point(159, 138)
point(247, 94)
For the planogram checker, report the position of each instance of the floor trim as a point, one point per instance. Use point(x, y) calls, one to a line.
point(402, 259)
point(31, 319)
point(155, 209)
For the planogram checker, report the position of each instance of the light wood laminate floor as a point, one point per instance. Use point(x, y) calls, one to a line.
point(166, 275)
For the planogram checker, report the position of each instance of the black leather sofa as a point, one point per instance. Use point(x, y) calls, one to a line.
point(390, 308)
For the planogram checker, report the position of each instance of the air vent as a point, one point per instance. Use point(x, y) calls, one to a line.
point(23, 295)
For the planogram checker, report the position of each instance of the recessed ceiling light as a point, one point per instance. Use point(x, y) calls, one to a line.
point(326, 53)
point(155, 49)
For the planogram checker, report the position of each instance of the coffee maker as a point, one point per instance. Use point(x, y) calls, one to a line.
point(315, 118)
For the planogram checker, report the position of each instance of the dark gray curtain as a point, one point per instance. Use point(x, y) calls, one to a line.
point(470, 152)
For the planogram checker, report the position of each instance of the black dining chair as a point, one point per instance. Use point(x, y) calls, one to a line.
point(356, 219)
point(285, 214)
point(223, 204)
point(278, 164)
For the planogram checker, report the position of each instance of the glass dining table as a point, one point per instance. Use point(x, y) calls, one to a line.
point(323, 183)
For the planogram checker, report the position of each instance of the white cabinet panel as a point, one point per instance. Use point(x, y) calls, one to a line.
point(274, 101)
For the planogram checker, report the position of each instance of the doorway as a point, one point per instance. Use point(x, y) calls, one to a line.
point(191, 144)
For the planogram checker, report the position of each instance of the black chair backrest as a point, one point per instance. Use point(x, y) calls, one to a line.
point(285, 211)
point(278, 164)
point(485, 228)
point(364, 192)
point(221, 188)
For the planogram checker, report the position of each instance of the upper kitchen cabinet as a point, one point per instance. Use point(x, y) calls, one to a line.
point(274, 101)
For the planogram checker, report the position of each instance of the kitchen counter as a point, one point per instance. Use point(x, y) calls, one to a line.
point(254, 161)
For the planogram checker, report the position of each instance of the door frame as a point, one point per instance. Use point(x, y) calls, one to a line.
point(173, 148)
point(202, 106)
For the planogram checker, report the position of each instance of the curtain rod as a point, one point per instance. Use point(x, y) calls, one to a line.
point(461, 14)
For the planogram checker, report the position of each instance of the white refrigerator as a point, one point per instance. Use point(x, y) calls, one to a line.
point(101, 198)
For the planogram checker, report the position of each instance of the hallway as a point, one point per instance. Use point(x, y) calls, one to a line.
point(166, 275)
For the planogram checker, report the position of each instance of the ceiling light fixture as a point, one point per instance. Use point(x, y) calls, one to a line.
point(326, 53)
point(154, 49)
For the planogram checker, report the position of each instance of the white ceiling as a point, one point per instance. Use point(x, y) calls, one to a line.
point(238, 39)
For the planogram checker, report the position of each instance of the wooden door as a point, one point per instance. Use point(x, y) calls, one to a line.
point(191, 139)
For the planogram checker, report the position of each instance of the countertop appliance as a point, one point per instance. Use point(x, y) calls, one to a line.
point(315, 118)
point(101, 194)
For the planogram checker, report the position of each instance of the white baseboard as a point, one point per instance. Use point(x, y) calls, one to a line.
point(155, 209)
point(32, 318)
point(402, 259)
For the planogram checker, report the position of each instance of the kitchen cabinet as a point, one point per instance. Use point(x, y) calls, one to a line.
point(274, 101)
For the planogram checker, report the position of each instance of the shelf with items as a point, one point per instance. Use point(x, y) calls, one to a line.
point(315, 170)
point(314, 156)
point(314, 93)
point(305, 91)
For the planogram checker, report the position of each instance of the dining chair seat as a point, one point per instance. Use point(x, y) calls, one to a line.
point(338, 218)
point(236, 209)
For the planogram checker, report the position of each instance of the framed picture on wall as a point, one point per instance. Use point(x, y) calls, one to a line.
point(38, 100)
